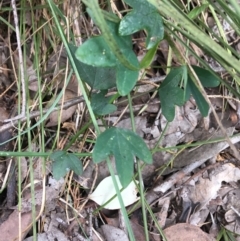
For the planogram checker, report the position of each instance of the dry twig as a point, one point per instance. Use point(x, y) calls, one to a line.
point(22, 79)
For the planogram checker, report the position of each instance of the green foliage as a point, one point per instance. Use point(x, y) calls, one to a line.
point(226, 235)
point(206, 77)
point(207, 80)
point(126, 79)
point(201, 102)
point(98, 78)
point(98, 17)
point(197, 10)
point(123, 145)
point(64, 162)
point(143, 16)
point(189, 29)
point(108, 60)
point(96, 52)
point(100, 104)
point(148, 58)
point(171, 94)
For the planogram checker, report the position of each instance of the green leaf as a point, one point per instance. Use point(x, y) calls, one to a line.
point(98, 78)
point(96, 52)
point(123, 145)
point(206, 77)
point(200, 100)
point(197, 10)
point(64, 162)
point(148, 58)
point(171, 94)
point(126, 78)
point(100, 104)
point(143, 16)
point(185, 80)
point(96, 13)
point(208, 80)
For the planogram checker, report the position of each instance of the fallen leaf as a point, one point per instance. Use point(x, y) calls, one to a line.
point(54, 234)
point(113, 234)
point(185, 231)
point(10, 228)
point(65, 113)
point(207, 189)
point(105, 191)
point(139, 232)
point(50, 202)
point(70, 126)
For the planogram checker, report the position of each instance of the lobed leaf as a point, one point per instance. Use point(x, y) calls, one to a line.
point(200, 100)
point(171, 94)
point(126, 80)
point(143, 16)
point(64, 162)
point(123, 145)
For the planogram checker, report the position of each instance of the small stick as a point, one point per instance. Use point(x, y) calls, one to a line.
point(34, 114)
point(171, 181)
point(20, 55)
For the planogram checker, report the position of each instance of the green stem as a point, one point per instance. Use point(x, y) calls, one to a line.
point(123, 209)
point(141, 185)
point(131, 112)
point(142, 196)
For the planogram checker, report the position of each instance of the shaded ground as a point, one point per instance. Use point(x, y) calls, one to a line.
point(193, 178)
